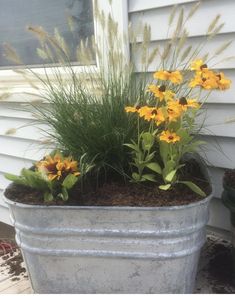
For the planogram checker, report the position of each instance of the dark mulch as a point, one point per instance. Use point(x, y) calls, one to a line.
point(229, 177)
point(14, 262)
point(116, 193)
point(132, 195)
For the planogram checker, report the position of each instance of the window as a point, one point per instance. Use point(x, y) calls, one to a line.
point(17, 15)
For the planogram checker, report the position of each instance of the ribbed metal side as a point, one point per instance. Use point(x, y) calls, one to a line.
point(111, 249)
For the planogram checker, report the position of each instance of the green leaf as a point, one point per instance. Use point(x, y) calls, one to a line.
point(69, 181)
point(169, 177)
point(150, 156)
point(11, 177)
point(64, 194)
point(17, 179)
point(133, 147)
point(34, 179)
point(169, 166)
point(148, 177)
point(164, 187)
point(48, 196)
point(164, 150)
point(184, 136)
point(193, 187)
point(175, 125)
point(147, 141)
point(154, 166)
point(136, 176)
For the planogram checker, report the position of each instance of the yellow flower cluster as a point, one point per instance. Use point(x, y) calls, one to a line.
point(170, 111)
point(56, 167)
point(206, 78)
point(168, 107)
point(174, 76)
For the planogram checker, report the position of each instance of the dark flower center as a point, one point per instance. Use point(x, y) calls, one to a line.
point(137, 107)
point(203, 66)
point(162, 88)
point(183, 101)
point(219, 76)
point(51, 167)
point(170, 137)
point(203, 79)
point(154, 112)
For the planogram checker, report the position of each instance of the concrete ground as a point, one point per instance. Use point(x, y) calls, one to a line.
point(214, 271)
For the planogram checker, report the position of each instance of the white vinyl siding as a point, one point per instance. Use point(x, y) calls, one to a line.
point(221, 105)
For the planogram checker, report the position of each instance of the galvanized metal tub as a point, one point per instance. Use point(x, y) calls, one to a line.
point(69, 249)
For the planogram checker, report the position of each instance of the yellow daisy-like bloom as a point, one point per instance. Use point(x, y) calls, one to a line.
point(174, 110)
point(205, 78)
point(169, 137)
point(130, 109)
point(158, 91)
point(174, 76)
point(188, 103)
point(198, 65)
point(148, 113)
point(160, 116)
point(70, 166)
point(56, 167)
point(223, 82)
point(162, 75)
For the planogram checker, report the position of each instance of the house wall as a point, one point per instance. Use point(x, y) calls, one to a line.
point(220, 107)
point(19, 149)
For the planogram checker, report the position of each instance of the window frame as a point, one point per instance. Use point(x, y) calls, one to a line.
point(14, 83)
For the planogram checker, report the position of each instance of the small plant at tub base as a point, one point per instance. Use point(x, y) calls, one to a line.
point(54, 176)
point(172, 125)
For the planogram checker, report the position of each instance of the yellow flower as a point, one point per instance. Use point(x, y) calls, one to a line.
point(174, 110)
point(176, 77)
point(188, 103)
point(169, 137)
point(205, 78)
point(161, 92)
point(130, 109)
point(148, 113)
point(223, 82)
point(70, 166)
point(57, 167)
point(208, 79)
point(173, 76)
point(162, 75)
point(197, 65)
point(158, 91)
point(160, 116)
